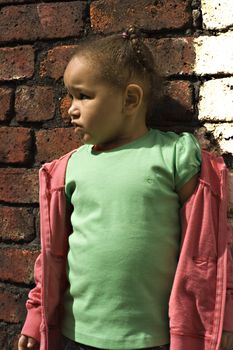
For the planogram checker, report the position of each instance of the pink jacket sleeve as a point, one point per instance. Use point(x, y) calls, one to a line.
point(228, 316)
point(32, 323)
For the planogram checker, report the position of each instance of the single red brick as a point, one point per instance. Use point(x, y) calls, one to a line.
point(64, 107)
point(15, 145)
point(176, 104)
point(115, 15)
point(181, 91)
point(52, 144)
point(41, 21)
point(173, 55)
point(17, 264)
point(34, 103)
point(19, 185)
point(17, 223)
point(5, 101)
point(16, 62)
point(53, 65)
point(12, 304)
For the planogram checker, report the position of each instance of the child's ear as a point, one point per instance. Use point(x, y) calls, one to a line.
point(133, 97)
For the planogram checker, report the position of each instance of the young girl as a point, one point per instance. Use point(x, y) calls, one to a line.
point(104, 282)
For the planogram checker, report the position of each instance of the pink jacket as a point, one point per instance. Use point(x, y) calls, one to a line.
point(201, 302)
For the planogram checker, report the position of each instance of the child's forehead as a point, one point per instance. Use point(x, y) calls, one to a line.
point(82, 63)
point(81, 70)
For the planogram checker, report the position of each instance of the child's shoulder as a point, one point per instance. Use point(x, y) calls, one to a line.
point(172, 138)
point(182, 148)
point(79, 152)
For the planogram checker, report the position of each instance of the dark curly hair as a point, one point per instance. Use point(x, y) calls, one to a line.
point(121, 57)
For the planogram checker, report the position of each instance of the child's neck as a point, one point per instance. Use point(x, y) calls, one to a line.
point(121, 141)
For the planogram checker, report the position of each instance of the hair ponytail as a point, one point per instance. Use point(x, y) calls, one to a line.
point(134, 35)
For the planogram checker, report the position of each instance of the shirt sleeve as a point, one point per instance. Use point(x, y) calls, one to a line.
point(187, 159)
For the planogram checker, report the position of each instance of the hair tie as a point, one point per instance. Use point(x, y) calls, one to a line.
point(125, 35)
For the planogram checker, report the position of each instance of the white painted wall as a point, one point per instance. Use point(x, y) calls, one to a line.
point(214, 56)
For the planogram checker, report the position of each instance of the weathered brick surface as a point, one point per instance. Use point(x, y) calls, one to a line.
point(41, 21)
point(214, 54)
point(52, 144)
point(173, 55)
point(5, 101)
point(19, 185)
point(216, 100)
point(176, 104)
point(15, 298)
point(9, 334)
point(15, 145)
point(16, 224)
point(217, 14)
point(17, 2)
point(16, 62)
point(34, 103)
point(181, 91)
point(64, 107)
point(213, 57)
point(223, 135)
point(17, 264)
point(54, 63)
point(115, 15)
point(5, 2)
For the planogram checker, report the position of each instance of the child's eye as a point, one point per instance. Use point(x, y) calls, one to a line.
point(83, 97)
point(80, 96)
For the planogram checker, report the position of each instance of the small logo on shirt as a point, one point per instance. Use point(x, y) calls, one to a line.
point(150, 180)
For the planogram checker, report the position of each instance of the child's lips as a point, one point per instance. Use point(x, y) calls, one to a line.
point(77, 125)
point(78, 129)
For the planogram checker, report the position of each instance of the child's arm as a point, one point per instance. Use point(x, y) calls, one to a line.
point(187, 190)
point(31, 328)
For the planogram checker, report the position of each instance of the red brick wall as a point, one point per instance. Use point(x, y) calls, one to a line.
point(36, 40)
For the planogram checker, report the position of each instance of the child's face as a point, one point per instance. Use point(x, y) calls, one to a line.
point(97, 107)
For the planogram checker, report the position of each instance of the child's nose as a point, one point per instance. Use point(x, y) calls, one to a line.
point(74, 111)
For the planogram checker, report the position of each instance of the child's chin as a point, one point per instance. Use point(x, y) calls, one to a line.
point(87, 139)
point(83, 137)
